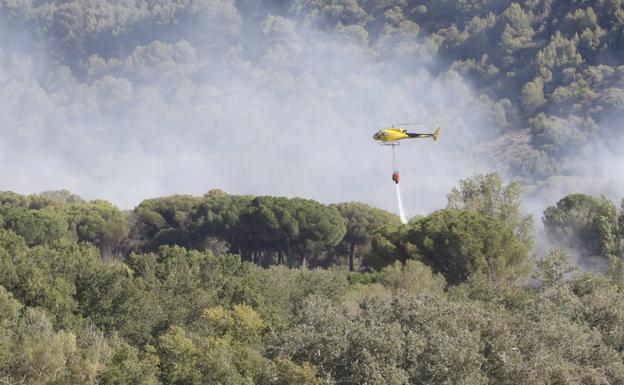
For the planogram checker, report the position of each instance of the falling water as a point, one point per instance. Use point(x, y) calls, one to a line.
point(401, 209)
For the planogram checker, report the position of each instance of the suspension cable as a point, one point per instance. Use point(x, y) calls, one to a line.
point(393, 159)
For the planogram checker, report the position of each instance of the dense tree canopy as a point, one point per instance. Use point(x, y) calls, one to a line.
point(57, 215)
point(165, 221)
point(586, 224)
point(447, 303)
point(362, 222)
point(486, 194)
point(457, 244)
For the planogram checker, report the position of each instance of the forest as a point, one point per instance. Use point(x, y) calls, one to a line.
point(227, 289)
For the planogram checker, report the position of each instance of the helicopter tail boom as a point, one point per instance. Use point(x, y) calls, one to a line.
point(433, 136)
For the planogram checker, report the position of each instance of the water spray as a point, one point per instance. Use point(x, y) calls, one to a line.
point(401, 210)
point(396, 178)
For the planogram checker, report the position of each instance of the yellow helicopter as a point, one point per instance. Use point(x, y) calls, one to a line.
point(393, 134)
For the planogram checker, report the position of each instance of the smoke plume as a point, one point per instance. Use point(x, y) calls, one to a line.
point(184, 98)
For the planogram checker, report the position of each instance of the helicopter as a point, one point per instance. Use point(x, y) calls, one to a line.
point(392, 135)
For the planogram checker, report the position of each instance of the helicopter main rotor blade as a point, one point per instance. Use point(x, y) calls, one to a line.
point(401, 124)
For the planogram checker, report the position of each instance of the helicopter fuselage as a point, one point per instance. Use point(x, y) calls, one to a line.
point(391, 135)
point(394, 134)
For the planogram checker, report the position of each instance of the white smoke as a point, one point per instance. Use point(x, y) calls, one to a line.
point(597, 172)
point(184, 97)
point(278, 109)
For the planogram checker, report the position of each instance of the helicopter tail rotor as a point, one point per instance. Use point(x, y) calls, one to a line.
point(436, 133)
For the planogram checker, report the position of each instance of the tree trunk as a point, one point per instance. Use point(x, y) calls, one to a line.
point(289, 253)
point(351, 257)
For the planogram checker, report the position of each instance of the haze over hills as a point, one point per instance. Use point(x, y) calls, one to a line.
point(272, 97)
point(251, 121)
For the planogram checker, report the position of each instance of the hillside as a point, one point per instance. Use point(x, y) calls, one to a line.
point(249, 239)
point(90, 294)
point(129, 86)
point(551, 69)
